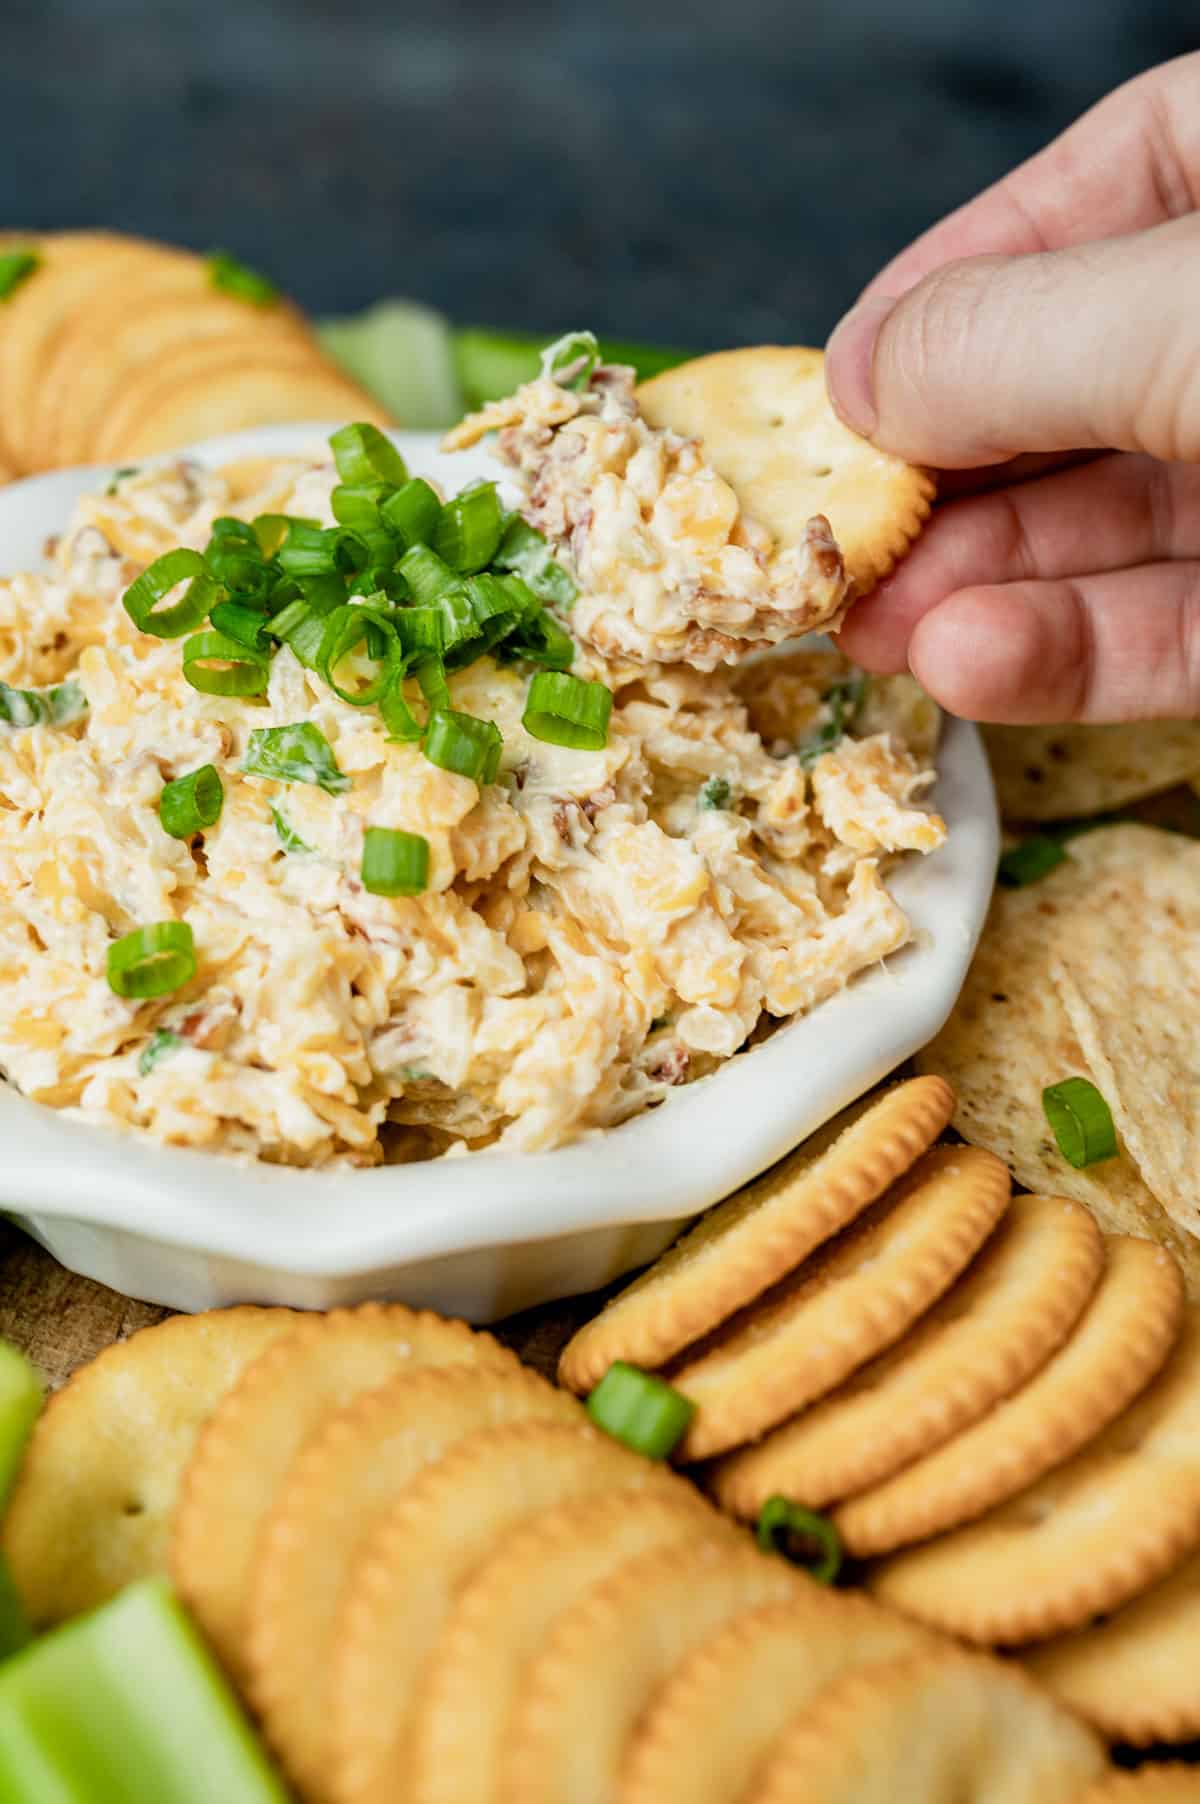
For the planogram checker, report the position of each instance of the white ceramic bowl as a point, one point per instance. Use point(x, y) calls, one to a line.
point(496, 1232)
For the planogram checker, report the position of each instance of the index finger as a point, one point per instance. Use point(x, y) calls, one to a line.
point(1132, 161)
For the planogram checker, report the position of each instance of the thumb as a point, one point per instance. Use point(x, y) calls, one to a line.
point(1095, 346)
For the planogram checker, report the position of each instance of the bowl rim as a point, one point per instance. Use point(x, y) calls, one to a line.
point(667, 1163)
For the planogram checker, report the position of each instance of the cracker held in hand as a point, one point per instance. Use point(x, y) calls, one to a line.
point(1126, 1333)
point(717, 1715)
point(759, 1235)
point(1064, 772)
point(1011, 1034)
point(938, 1728)
point(1134, 1674)
point(1013, 1306)
point(766, 423)
point(1083, 1540)
point(854, 1297)
point(92, 1507)
point(244, 1455)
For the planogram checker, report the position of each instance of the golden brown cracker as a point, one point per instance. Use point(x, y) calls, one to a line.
point(1121, 1341)
point(1169, 1784)
point(713, 1721)
point(1012, 1307)
point(582, 1696)
point(1133, 1674)
point(1009, 1035)
point(93, 1504)
point(1064, 772)
point(855, 1296)
point(498, 1623)
point(756, 1237)
point(1080, 1542)
point(767, 426)
point(937, 1727)
point(402, 1588)
point(244, 1455)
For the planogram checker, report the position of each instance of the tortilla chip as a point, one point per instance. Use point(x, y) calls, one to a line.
point(1058, 773)
point(768, 428)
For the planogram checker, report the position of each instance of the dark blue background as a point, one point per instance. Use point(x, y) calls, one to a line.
point(711, 172)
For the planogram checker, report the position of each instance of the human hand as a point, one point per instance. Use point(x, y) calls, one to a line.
point(1057, 314)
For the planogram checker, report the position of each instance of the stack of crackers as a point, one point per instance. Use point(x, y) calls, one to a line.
point(113, 349)
point(998, 1404)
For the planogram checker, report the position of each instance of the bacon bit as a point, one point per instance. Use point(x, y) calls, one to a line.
point(208, 1028)
point(672, 1066)
point(592, 805)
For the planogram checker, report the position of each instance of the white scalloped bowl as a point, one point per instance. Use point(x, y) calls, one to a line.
point(486, 1235)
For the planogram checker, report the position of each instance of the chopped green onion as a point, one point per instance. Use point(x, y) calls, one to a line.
point(298, 627)
point(152, 961)
point(715, 793)
point(803, 1536)
point(843, 701)
point(295, 754)
point(308, 550)
point(57, 707)
point(640, 1410)
point(1031, 860)
point(564, 710)
point(412, 512)
point(357, 504)
point(270, 530)
point(217, 665)
point(469, 529)
point(159, 1046)
point(402, 724)
point(289, 839)
point(119, 476)
point(21, 1392)
point(491, 364)
point(191, 803)
point(419, 630)
point(246, 625)
point(525, 551)
point(431, 676)
point(155, 584)
point(323, 592)
point(464, 744)
point(363, 454)
point(537, 637)
point(425, 573)
point(228, 529)
point(1082, 1122)
point(235, 278)
point(15, 268)
point(573, 349)
point(345, 629)
point(394, 863)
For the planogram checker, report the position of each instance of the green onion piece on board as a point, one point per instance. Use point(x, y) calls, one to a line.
point(364, 454)
point(16, 267)
point(426, 574)
point(152, 961)
point(142, 597)
point(15, 1632)
point(464, 744)
point(394, 863)
point(235, 278)
point(295, 754)
point(412, 512)
point(57, 707)
point(289, 839)
point(357, 504)
point(127, 1703)
point(218, 665)
point(640, 1410)
point(468, 530)
point(802, 1536)
point(1030, 860)
point(1082, 1122)
point(564, 710)
point(245, 625)
point(191, 803)
point(158, 1047)
point(21, 1393)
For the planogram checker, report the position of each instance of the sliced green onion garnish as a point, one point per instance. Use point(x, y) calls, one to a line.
point(363, 454)
point(345, 629)
point(425, 573)
point(119, 476)
point(270, 530)
point(539, 639)
point(191, 803)
point(357, 504)
point(843, 701)
point(233, 277)
point(1082, 1122)
point(399, 719)
point(295, 754)
point(219, 666)
point(155, 584)
point(298, 627)
point(323, 592)
point(564, 710)
point(237, 621)
point(152, 961)
point(431, 676)
point(469, 528)
point(524, 551)
point(57, 707)
point(715, 793)
point(158, 1047)
point(1031, 860)
point(394, 863)
point(412, 512)
point(289, 839)
point(464, 744)
point(15, 268)
point(308, 550)
point(419, 630)
point(572, 349)
point(642, 1411)
point(803, 1536)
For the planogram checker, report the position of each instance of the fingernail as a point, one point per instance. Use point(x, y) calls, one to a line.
point(850, 363)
